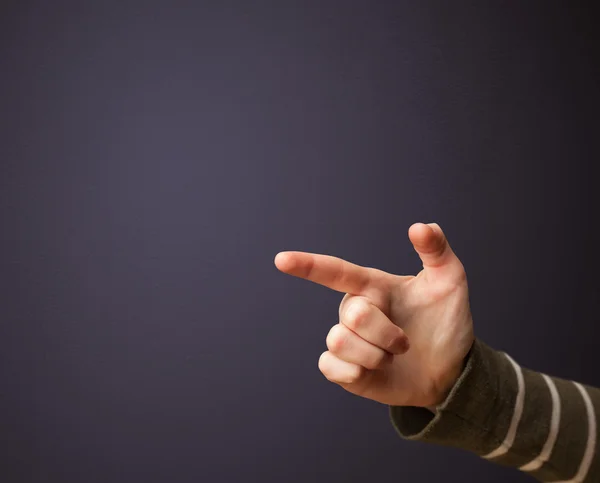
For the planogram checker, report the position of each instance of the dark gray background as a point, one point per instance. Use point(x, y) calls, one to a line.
point(155, 156)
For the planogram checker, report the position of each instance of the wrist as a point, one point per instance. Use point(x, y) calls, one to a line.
point(447, 384)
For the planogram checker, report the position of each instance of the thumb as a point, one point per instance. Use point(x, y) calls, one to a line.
point(432, 246)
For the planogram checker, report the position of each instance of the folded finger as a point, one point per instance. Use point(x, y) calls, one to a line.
point(350, 347)
point(339, 371)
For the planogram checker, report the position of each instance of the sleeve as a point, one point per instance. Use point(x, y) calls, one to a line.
point(544, 426)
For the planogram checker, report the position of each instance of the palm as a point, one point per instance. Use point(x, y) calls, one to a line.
point(431, 308)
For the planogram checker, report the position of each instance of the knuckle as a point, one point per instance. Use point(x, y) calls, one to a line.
point(356, 315)
point(336, 339)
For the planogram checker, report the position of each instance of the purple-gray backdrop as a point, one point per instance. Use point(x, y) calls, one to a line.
point(155, 156)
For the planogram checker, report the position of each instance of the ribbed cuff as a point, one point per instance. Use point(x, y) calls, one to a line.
point(476, 414)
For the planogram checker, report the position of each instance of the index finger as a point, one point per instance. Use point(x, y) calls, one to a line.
point(332, 272)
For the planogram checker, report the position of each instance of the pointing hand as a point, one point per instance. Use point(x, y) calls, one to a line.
point(401, 340)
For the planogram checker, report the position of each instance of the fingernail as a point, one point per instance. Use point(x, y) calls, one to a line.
point(400, 346)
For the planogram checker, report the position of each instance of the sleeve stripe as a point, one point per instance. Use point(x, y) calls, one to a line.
point(517, 413)
point(553, 434)
point(586, 462)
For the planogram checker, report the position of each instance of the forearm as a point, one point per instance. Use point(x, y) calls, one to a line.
point(545, 426)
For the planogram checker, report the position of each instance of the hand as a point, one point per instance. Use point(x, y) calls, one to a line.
point(401, 340)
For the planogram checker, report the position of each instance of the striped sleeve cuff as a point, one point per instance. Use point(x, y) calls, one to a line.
point(513, 416)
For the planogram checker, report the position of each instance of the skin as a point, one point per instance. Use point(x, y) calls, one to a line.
point(401, 340)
